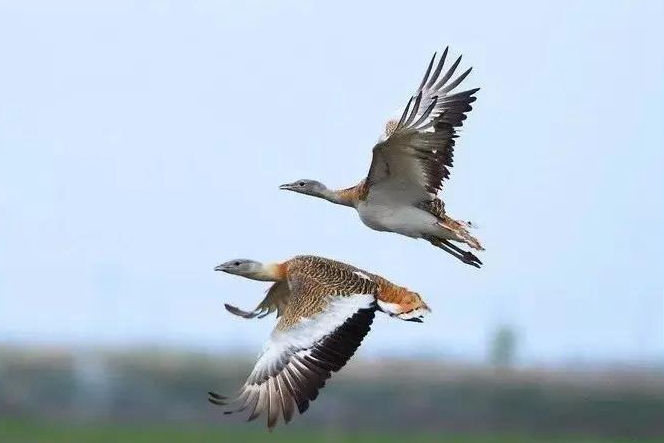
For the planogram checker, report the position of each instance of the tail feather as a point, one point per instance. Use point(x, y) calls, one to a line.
point(457, 229)
point(401, 303)
point(460, 229)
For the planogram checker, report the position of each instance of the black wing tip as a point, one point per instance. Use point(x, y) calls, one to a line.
point(239, 312)
point(215, 395)
point(217, 399)
point(306, 375)
point(235, 310)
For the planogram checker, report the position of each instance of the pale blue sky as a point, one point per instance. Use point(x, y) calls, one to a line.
point(142, 143)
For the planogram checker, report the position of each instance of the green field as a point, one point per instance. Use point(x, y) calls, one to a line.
point(21, 431)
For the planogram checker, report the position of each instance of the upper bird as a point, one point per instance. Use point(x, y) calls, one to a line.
point(410, 161)
point(325, 308)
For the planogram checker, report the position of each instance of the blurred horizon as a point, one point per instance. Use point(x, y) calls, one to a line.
point(156, 395)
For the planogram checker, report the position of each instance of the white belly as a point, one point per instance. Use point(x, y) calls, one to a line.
point(405, 220)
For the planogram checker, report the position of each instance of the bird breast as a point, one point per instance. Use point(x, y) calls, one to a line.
point(402, 219)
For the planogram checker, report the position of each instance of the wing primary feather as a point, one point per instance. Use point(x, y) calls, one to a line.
point(216, 401)
point(427, 125)
point(313, 369)
point(286, 397)
point(299, 386)
point(426, 74)
point(244, 402)
point(439, 68)
point(261, 403)
point(413, 112)
point(426, 113)
point(456, 82)
point(215, 395)
point(240, 313)
point(464, 95)
point(273, 403)
point(405, 113)
point(448, 74)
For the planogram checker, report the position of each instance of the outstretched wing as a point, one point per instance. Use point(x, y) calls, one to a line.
point(275, 300)
point(415, 153)
point(315, 337)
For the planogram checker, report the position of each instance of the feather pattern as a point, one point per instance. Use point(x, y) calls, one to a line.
point(329, 311)
point(414, 155)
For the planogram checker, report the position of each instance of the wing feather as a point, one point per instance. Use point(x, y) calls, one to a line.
point(415, 155)
point(299, 357)
point(275, 300)
point(274, 402)
point(286, 397)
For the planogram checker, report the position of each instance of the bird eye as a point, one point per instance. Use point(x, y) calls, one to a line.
point(237, 263)
point(301, 183)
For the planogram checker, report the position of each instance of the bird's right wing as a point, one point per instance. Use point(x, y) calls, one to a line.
point(414, 155)
point(319, 332)
point(275, 300)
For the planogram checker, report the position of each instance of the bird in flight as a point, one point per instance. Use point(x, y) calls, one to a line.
point(325, 308)
point(410, 161)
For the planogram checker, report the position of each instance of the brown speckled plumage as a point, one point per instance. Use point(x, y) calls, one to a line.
point(314, 279)
point(353, 195)
point(437, 207)
point(325, 315)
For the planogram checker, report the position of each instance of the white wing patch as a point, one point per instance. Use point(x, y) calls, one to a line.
point(397, 311)
point(362, 275)
point(295, 362)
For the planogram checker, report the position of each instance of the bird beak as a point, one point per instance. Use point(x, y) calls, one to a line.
point(286, 187)
point(221, 267)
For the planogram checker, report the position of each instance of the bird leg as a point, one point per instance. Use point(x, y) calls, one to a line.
point(465, 256)
point(468, 256)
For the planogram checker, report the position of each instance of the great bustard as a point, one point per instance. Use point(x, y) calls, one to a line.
point(325, 309)
point(410, 162)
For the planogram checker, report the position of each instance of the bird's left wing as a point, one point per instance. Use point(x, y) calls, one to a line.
point(415, 153)
point(275, 300)
point(315, 337)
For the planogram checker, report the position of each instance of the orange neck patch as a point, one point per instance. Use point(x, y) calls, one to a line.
point(352, 196)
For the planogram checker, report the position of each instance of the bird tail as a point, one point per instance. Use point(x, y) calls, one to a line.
point(460, 230)
point(401, 303)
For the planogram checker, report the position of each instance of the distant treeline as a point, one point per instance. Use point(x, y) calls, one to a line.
point(151, 386)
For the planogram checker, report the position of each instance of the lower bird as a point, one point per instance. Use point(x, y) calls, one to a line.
point(325, 308)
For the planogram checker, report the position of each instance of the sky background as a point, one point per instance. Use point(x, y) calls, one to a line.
point(142, 143)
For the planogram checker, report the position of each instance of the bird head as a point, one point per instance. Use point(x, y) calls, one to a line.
point(251, 269)
point(240, 266)
point(304, 186)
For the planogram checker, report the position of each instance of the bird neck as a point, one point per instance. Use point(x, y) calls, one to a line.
point(269, 272)
point(345, 197)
